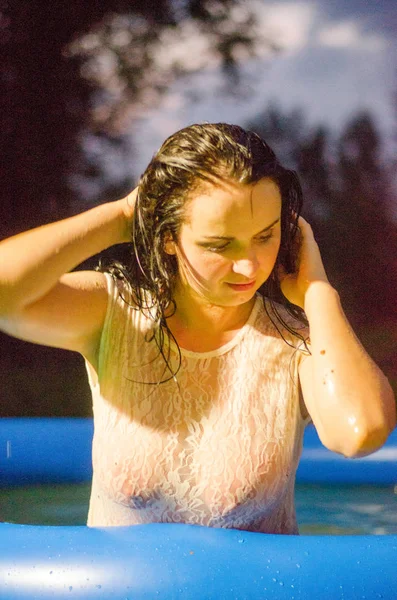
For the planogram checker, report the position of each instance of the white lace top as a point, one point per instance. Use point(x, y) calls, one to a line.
point(219, 447)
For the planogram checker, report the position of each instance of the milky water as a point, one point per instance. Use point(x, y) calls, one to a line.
point(341, 510)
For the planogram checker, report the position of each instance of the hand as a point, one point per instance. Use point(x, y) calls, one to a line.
point(125, 207)
point(129, 204)
point(310, 267)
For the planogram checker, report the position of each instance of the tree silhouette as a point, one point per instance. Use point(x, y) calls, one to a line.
point(68, 69)
point(348, 201)
point(284, 132)
point(366, 236)
point(312, 163)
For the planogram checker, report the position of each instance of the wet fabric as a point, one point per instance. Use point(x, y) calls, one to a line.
point(218, 446)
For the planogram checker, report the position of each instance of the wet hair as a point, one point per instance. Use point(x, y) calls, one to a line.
point(188, 161)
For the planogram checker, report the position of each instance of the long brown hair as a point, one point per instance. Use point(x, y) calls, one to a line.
point(196, 155)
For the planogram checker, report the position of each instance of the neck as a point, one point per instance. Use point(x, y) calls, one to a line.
point(196, 316)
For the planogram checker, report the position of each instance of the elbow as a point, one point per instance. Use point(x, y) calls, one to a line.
point(367, 441)
point(361, 439)
point(362, 434)
point(358, 436)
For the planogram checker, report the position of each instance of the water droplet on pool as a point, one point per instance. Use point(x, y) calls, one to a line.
point(280, 583)
point(298, 566)
point(241, 541)
point(274, 579)
point(98, 586)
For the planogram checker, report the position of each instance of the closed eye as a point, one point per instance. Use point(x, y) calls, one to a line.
point(216, 248)
point(264, 238)
point(267, 234)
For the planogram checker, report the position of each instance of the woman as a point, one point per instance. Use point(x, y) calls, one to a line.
point(198, 353)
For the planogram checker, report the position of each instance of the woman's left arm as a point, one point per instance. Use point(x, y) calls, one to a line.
point(347, 395)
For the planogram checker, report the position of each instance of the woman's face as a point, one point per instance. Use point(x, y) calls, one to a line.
point(229, 241)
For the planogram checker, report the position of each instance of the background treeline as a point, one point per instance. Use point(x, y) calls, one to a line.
point(56, 92)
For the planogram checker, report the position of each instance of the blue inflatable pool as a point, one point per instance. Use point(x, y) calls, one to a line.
point(180, 561)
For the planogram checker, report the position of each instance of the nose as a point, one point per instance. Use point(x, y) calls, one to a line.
point(247, 266)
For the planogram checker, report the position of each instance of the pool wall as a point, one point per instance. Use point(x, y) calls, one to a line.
point(57, 450)
point(170, 561)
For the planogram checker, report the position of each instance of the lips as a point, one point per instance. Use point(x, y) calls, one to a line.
point(242, 286)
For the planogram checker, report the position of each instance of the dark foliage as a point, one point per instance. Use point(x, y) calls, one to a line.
point(46, 104)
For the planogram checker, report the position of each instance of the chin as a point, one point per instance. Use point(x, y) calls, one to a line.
point(237, 300)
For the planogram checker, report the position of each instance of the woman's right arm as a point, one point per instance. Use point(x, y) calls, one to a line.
point(40, 301)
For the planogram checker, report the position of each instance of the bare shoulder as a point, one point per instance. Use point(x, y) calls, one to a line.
point(69, 316)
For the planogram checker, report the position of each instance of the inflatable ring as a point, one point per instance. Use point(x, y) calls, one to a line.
point(170, 561)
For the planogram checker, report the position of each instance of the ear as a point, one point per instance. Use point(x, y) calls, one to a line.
point(169, 244)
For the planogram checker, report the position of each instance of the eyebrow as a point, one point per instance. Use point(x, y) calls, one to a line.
point(228, 239)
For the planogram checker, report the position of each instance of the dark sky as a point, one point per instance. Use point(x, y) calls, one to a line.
point(338, 59)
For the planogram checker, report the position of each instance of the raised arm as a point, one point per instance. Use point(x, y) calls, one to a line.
point(347, 395)
point(40, 301)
